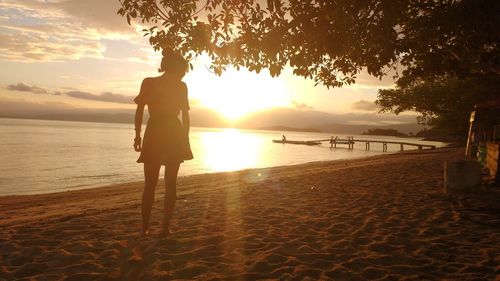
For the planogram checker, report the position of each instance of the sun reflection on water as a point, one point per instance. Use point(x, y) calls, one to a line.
point(230, 150)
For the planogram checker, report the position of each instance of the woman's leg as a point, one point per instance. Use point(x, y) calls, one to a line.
point(171, 171)
point(151, 174)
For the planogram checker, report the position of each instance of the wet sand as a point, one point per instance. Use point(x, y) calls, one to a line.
point(379, 218)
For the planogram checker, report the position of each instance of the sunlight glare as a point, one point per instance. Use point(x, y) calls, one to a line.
point(236, 93)
point(219, 150)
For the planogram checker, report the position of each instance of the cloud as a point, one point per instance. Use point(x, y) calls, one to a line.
point(28, 47)
point(106, 97)
point(110, 97)
point(21, 87)
point(301, 106)
point(34, 30)
point(95, 14)
point(364, 105)
point(98, 14)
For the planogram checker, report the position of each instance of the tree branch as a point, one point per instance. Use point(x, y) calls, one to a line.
point(160, 12)
point(201, 9)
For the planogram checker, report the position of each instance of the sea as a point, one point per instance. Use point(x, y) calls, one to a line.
point(41, 156)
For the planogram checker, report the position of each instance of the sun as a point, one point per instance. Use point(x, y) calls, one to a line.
point(236, 93)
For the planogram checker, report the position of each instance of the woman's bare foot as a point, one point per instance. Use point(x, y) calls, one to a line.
point(166, 232)
point(145, 233)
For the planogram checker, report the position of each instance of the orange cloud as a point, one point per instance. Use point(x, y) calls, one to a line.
point(364, 105)
point(21, 87)
point(59, 30)
point(104, 97)
point(301, 106)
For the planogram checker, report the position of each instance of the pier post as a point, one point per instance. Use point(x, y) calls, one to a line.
point(384, 147)
point(402, 147)
point(331, 142)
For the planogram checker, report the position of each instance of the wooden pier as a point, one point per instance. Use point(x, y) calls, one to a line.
point(350, 141)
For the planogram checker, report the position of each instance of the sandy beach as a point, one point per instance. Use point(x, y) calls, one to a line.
point(379, 218)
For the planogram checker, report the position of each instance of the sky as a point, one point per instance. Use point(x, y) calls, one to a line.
point(73, 55)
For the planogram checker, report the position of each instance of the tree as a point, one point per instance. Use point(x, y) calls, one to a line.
point(453, 65)
point(444, 102)
point(331, 41)
point(323, 40)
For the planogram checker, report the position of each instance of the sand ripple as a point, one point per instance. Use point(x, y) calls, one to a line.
point(381, 218)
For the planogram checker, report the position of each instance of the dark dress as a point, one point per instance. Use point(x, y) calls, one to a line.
point(164, 140)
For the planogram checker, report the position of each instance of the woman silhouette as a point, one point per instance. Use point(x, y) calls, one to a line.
point(166, 140)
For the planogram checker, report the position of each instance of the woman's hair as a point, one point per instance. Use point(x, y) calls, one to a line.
point(173, 63)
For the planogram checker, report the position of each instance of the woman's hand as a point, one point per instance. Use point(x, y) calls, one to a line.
point(138, 144)
point(138, 123)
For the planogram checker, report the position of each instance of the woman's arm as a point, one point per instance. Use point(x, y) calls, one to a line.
point(139, 112)
point(186, 122)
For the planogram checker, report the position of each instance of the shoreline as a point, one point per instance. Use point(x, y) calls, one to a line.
point(110, 190)
point(111, 185)
point(59, 173)
point(376, 218)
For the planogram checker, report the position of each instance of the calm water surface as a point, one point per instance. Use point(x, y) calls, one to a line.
point(38, 156)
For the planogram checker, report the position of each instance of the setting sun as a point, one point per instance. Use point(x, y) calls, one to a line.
point(236, 93)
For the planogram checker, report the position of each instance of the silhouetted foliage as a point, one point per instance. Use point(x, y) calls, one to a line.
point(454, 64)
point(328, 41)
point(444, 102)
point(429, 43)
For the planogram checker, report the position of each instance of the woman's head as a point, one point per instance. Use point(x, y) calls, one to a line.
point(173, 63)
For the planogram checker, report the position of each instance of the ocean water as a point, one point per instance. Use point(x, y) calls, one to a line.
point(39, 156)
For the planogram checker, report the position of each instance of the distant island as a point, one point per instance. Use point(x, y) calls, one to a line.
point(122, 118)
point(290, 129)
point(385, 132)
point(278, 120)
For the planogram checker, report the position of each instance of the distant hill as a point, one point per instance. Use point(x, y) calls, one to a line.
point(406, 128)
point(326, 122)
point(125, 118)
point(384, 132)
point(281, 119)
point(201, 118)
point(285, 117)
point(290, 129)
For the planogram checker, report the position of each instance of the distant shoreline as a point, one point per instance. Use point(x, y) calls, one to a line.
point(290, 129)
point(83, 119)
point(272, 128)
point(128, 118)
point(385, 132)
point(93, 120)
